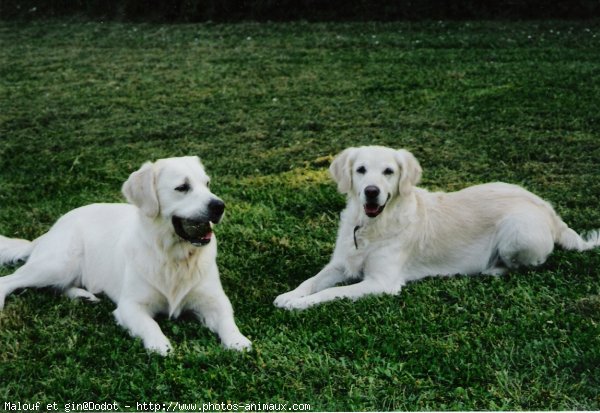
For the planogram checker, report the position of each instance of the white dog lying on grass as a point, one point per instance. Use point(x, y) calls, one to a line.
point(392, 232)
point(155, 256)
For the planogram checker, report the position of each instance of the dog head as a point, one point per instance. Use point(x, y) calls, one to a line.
point(177, 191)
point(375, 175)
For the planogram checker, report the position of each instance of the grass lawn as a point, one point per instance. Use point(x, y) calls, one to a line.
point(265, 106)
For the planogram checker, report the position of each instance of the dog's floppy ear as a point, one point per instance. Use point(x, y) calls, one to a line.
point(140, 190)
point(411, 171)
point(341, 169)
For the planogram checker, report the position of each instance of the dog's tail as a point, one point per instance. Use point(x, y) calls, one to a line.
point(13, 250)
point(571, 240)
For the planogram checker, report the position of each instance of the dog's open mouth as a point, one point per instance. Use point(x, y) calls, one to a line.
point(196, 232)
point(372, 210)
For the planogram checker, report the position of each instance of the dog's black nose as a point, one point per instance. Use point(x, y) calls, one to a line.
point(216, 207)
point(372, 192)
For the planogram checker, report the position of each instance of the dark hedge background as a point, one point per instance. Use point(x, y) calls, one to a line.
point(311, 10)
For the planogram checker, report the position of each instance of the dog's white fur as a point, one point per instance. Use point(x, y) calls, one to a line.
point(481, 229)
point(132, 254)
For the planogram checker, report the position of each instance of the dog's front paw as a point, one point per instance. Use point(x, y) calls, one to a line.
point(160, 345)
point(291, 302)
point(239, 343)
point(284, 300)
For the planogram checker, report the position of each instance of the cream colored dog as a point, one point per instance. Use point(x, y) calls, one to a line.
point(155, 256)
point(392, 232)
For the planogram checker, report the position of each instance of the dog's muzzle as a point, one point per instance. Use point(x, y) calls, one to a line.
point(198, 231)
point(372, 206)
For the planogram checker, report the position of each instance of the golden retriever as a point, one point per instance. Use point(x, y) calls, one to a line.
point(392, 232)
point(155, 255)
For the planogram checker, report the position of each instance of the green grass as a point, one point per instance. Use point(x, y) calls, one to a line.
point(265, 105)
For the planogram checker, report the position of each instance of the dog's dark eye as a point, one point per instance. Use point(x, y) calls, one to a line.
point(183, 188)
point(361, 170)
point(388, 171)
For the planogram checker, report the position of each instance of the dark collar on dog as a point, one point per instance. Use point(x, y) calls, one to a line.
point(356, 228)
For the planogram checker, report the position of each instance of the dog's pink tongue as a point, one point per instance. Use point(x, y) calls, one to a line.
point(207, 236)
point(371, 209)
